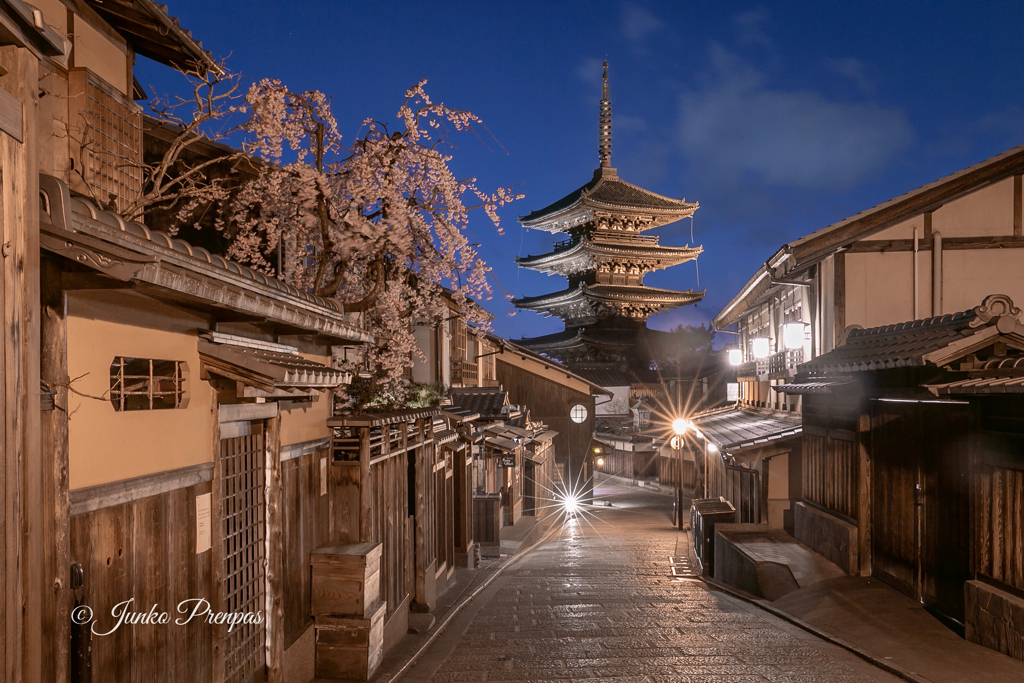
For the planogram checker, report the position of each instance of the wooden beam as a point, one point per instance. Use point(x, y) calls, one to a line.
point(948, 244)
point(928, 225)
point(116, 493)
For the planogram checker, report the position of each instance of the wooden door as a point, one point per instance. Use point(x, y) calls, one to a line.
point(920, 531)
point(529, 488)
point(945, 560)
point(242, 476)
point(896, 495)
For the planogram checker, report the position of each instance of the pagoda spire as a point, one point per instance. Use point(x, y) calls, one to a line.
point(604, 128)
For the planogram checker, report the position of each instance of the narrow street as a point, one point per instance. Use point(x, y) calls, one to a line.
point(596, 600)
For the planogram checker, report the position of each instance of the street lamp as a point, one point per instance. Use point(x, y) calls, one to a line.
point(680, 426)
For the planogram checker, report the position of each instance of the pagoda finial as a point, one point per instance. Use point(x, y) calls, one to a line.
point(604, 129)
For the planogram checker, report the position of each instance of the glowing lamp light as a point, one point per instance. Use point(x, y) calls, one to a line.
point(761, 347)
point(600, 462)
point(680, 426)
point(735, 357)
point(571, 504)
point(676, 443)
point(597, 450)
point(793, 335)
point(712, 448)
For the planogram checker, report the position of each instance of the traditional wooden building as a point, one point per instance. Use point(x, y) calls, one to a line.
point(935, 250)
point(605, 256)
point(913, 468)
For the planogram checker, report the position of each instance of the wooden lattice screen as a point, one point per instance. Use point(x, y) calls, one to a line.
point(110, 128)
point(242, 491)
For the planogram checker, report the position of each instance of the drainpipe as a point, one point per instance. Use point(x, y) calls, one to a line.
point(936, 273)
point(916, 286)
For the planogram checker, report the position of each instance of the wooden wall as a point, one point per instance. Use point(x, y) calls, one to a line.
point(146, 550)
point(999, 535)
point(550, 402)
point(830, 470)
point(305, 520)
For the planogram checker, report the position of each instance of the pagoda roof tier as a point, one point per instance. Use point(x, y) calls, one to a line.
point(579, 337)
point(600, 300)
point(576, 256)
point(609, 197)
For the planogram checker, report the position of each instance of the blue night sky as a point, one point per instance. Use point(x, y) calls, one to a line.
point(778, 118)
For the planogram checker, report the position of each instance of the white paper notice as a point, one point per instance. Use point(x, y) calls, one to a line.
point(323, 476)
point(203, 536)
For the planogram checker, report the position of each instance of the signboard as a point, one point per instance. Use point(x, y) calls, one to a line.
point(203, 530)
point(507, 461)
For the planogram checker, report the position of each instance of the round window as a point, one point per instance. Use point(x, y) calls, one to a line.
point(578, 414)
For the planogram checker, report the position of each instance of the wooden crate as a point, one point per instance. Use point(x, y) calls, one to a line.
point(350, 647)
point(346, 579)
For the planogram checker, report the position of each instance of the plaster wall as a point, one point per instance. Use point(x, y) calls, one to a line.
point(303, 422)
point(904, 230)
point(988, 211)
point(98, 53)
point(778, 490)
point(880, 287)
point(423, 370)
point(972, 274)
point(105, 445)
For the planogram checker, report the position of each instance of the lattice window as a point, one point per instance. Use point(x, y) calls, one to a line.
point(111, 154)
point(242, 480)
point(147, 384)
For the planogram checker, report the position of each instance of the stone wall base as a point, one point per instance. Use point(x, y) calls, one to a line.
point(994, 618)
point(827, 535)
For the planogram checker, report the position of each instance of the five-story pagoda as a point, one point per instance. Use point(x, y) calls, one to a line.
point(605, 256)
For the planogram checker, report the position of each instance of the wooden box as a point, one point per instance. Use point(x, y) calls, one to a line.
point(349, 647)
point(346, 579)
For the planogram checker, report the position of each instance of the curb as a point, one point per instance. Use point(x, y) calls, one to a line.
point(897, 671)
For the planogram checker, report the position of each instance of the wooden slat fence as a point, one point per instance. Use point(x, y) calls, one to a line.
point(1000, 529)
point(830, 470)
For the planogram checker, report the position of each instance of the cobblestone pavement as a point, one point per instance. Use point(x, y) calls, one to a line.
point(598, 601)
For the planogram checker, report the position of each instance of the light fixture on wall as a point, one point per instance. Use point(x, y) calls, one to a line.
point(761, 347)
point(793, 335)
point(735, 357)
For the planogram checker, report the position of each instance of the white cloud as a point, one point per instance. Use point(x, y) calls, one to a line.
point(853, 69)
point(591, 70)
point(639, 23)
point(738, 126)
point(751, 27)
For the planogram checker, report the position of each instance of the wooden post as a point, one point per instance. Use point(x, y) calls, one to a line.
point(24, 507)
point(275, 555)
point(839, 296)
point(57, 602)
point(365, 487)
point(420, 551)
point(864, 495)
point(218, 596)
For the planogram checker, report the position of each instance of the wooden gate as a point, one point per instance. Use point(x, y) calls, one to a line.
point(242, 476)
point(920, 501)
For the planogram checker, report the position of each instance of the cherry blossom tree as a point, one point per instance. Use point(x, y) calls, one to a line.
point(379, 223)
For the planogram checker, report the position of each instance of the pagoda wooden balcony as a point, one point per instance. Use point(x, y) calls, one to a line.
point(782, 365)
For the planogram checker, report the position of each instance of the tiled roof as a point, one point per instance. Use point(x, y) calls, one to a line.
point(740, 428)
point(487, 403)
point(892, 346)
point(608, 189)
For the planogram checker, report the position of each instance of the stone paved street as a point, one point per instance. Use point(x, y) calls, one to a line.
point(597, 601)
